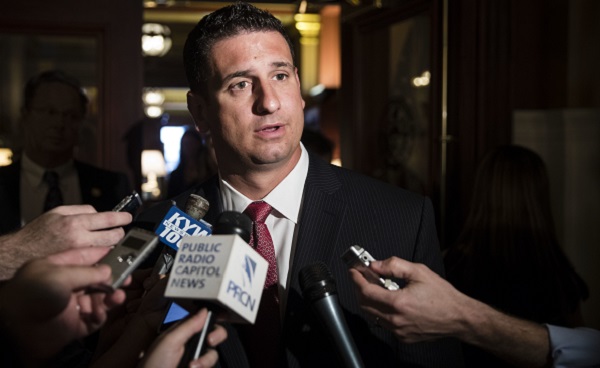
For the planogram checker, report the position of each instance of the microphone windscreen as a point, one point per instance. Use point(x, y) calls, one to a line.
point(196, 206)
point(316, 282)
point(231, 222)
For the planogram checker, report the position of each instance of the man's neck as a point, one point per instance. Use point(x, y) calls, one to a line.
point(256, 184)
point(49, 161)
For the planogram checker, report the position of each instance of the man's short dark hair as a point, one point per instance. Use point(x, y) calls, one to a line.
point(53, 76)
point(224, 23)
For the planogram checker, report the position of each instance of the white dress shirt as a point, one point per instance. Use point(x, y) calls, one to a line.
point(286, 200)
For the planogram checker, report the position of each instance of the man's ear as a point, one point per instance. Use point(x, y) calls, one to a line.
point(197, 106)
point(299, 87)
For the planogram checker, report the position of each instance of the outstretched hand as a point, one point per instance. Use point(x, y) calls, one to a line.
point(62, 228)
point(427, 308)
point(46, 306)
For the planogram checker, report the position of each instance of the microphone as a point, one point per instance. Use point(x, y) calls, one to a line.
point(318, 287)
point(233, 223)
point(221, 272)
point(177, 224)
point(222, 269)
point(196, 206)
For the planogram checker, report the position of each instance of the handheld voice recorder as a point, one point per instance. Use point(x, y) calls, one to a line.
point(130, 203)
point(358, 258)
point(128, 254)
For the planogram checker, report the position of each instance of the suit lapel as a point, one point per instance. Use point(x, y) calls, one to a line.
point(321, 218)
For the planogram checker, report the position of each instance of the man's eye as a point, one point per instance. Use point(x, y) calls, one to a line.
point(280, 76)
point(240, 85)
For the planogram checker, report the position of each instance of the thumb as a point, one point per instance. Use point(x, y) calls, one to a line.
point(394, 267)
point(80, 277)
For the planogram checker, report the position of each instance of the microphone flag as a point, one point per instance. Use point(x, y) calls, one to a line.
point(222, 269)
point(177, 224)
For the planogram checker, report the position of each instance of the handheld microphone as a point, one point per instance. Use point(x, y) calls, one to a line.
point(233, 223)
point(221, 269)
point(221, 272)
point(318, 287)
point(177, 224)
point(196, 206)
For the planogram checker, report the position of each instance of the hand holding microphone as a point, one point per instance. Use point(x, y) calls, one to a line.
point(166, 351)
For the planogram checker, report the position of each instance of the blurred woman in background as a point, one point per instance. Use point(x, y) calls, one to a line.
point(508, 254)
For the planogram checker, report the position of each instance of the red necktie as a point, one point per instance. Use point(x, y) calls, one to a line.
point(260, 238)
point(262, 339)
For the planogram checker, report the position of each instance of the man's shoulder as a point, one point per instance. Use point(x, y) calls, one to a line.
point(86, 168)
point(367, 188)
point(115, 182)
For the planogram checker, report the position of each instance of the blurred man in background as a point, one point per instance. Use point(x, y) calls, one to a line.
point(47, 175)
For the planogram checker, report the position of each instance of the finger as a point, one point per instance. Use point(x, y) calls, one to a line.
point(105, 220)
point(84, 304)
point(394, 267)
point(114, 299)
point(73, 209)
point(79, 256)
point(127, 281)
point(104, 238)
point(372, 297)
point(208, 359)
point(217, 336)
point(181, 333)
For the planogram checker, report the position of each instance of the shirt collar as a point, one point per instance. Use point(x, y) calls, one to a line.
point(285, 198)
point(34, 173)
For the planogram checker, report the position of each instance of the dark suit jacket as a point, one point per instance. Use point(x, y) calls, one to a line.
point(100, 188)
point(342, 208)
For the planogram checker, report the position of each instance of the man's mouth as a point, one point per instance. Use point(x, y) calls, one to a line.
point(271, 128)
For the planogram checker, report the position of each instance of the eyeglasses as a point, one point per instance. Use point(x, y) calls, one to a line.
point(71, 116)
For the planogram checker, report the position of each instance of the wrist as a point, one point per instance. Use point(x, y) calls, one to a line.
point(473, 321)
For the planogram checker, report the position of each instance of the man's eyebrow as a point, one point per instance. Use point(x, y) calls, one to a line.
point(282, 64)
point(233, 75)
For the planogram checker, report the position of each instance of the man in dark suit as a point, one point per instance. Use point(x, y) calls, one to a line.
point(53, 108)
point(245, 91)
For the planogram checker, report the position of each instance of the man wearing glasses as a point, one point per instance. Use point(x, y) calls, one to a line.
point(47, 175)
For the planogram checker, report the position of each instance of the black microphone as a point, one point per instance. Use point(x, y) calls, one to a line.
point(318, 287)
point(233, 223)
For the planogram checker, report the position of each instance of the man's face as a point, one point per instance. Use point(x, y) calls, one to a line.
point(254, 108)
point(52, 121)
